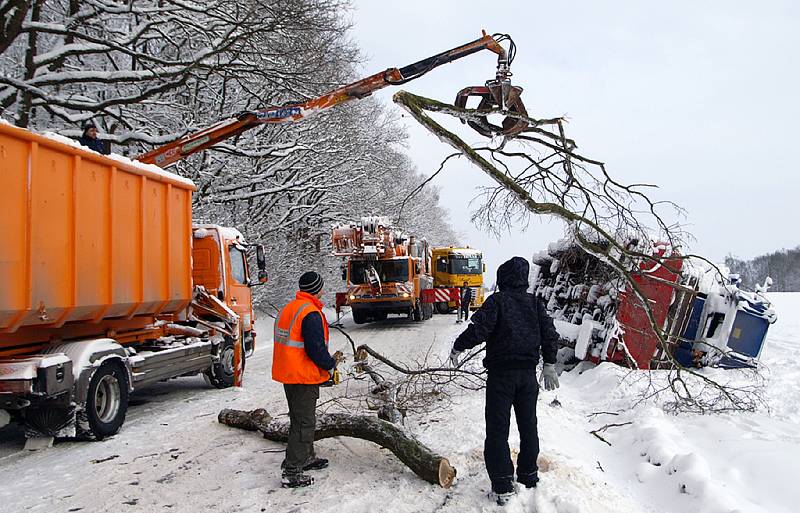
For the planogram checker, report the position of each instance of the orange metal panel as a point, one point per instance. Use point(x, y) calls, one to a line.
point(87, 239)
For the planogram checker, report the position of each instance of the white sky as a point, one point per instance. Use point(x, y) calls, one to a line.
point(700, 98)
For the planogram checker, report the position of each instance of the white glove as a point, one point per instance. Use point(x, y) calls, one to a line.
point(454, 355)
point(549, 376)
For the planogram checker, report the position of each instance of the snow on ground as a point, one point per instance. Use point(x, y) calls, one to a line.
point(172, 455)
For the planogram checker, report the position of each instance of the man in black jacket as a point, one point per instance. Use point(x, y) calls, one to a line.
point(515, 326)
point(465, 299)
point(90, 140)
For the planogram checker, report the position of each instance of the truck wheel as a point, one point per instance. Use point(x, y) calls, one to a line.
point(442, 307)
point(106, 400)
point(220, 374)
point(359, 316)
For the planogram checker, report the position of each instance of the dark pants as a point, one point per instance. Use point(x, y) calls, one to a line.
point(302, 401)
point(504, 389)
point(465, 311)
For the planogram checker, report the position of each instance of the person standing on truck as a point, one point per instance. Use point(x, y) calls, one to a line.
point(90, 140)
point(516, 328)
point(301, 362)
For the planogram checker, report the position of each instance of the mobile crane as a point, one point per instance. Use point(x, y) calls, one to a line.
point(386, 271)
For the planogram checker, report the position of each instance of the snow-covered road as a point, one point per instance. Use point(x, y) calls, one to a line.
point(173, 456)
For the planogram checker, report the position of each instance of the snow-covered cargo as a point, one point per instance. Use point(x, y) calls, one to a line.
point(87, 239)
point(703, 315)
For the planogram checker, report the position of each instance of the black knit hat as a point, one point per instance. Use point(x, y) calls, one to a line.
point(311, 282)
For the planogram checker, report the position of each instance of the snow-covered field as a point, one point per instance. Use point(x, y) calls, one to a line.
point(172, 455)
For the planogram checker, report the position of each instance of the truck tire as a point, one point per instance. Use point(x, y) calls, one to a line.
point(442, 307)
point(359, 316)
point(417, 312)
point(106, 400)
point(220, 374)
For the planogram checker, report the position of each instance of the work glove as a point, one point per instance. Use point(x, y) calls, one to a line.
point(338, 356)
point(549, 376)
point(454, 355)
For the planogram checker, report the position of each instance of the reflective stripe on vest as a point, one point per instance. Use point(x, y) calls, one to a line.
point(282, 335)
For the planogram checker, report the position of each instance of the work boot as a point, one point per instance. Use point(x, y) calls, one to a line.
point(295, 480)
point(315, 463)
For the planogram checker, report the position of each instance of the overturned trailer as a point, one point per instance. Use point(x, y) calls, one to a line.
point(704, 317)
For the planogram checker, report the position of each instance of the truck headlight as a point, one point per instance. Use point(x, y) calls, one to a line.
point(406, 294)
point(352, 297)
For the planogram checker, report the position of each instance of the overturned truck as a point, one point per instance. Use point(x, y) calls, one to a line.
point(705, 317)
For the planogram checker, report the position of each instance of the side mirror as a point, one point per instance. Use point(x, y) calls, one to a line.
point(484, 267)
point(344, 273)
point(263, 278)
point(261, 261)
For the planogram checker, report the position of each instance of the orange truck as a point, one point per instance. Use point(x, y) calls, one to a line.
point(106, 286)
point(386, 272)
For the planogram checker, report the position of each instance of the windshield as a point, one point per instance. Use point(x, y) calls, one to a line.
point(465, 265)
point(388, 270)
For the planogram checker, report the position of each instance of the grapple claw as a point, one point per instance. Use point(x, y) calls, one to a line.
point(495, 94)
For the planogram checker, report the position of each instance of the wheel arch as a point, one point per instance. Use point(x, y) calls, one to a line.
point(89, 355)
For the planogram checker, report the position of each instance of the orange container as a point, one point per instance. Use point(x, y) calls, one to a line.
point(86, 239)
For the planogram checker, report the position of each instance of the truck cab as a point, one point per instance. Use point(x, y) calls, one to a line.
point(452, 267)
point(220, 265)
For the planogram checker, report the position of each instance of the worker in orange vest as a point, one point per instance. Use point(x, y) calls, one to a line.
point(301, 362)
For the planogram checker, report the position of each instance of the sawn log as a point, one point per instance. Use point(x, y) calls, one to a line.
point(421, 460)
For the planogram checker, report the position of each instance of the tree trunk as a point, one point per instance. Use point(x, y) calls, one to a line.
point(425, 463)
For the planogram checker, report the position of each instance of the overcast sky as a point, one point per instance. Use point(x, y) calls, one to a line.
point(700, 98)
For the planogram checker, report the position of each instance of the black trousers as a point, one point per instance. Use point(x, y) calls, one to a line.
point(302, 401)
point(504, 389)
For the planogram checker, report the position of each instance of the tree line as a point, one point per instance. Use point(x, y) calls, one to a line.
point(782, 266)
point(147, 72)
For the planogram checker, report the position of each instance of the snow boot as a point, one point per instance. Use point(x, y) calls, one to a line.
point(295, 480)
point(315, 463)
point(529, 481)
point(502, 491)
point(501, 498)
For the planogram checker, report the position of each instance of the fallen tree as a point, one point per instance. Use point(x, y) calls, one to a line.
point(425, 463)
point(539, 172)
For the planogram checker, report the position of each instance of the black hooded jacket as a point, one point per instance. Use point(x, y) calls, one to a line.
point(513, 323)
point(93, 144)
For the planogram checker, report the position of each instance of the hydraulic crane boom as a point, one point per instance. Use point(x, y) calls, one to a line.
point(172, 152)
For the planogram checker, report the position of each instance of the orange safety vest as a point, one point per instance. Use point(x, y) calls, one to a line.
point(290, 363)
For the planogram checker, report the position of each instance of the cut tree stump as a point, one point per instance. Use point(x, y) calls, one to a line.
point(421, 460)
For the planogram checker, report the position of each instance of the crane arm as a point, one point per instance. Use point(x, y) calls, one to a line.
point(192, 143)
